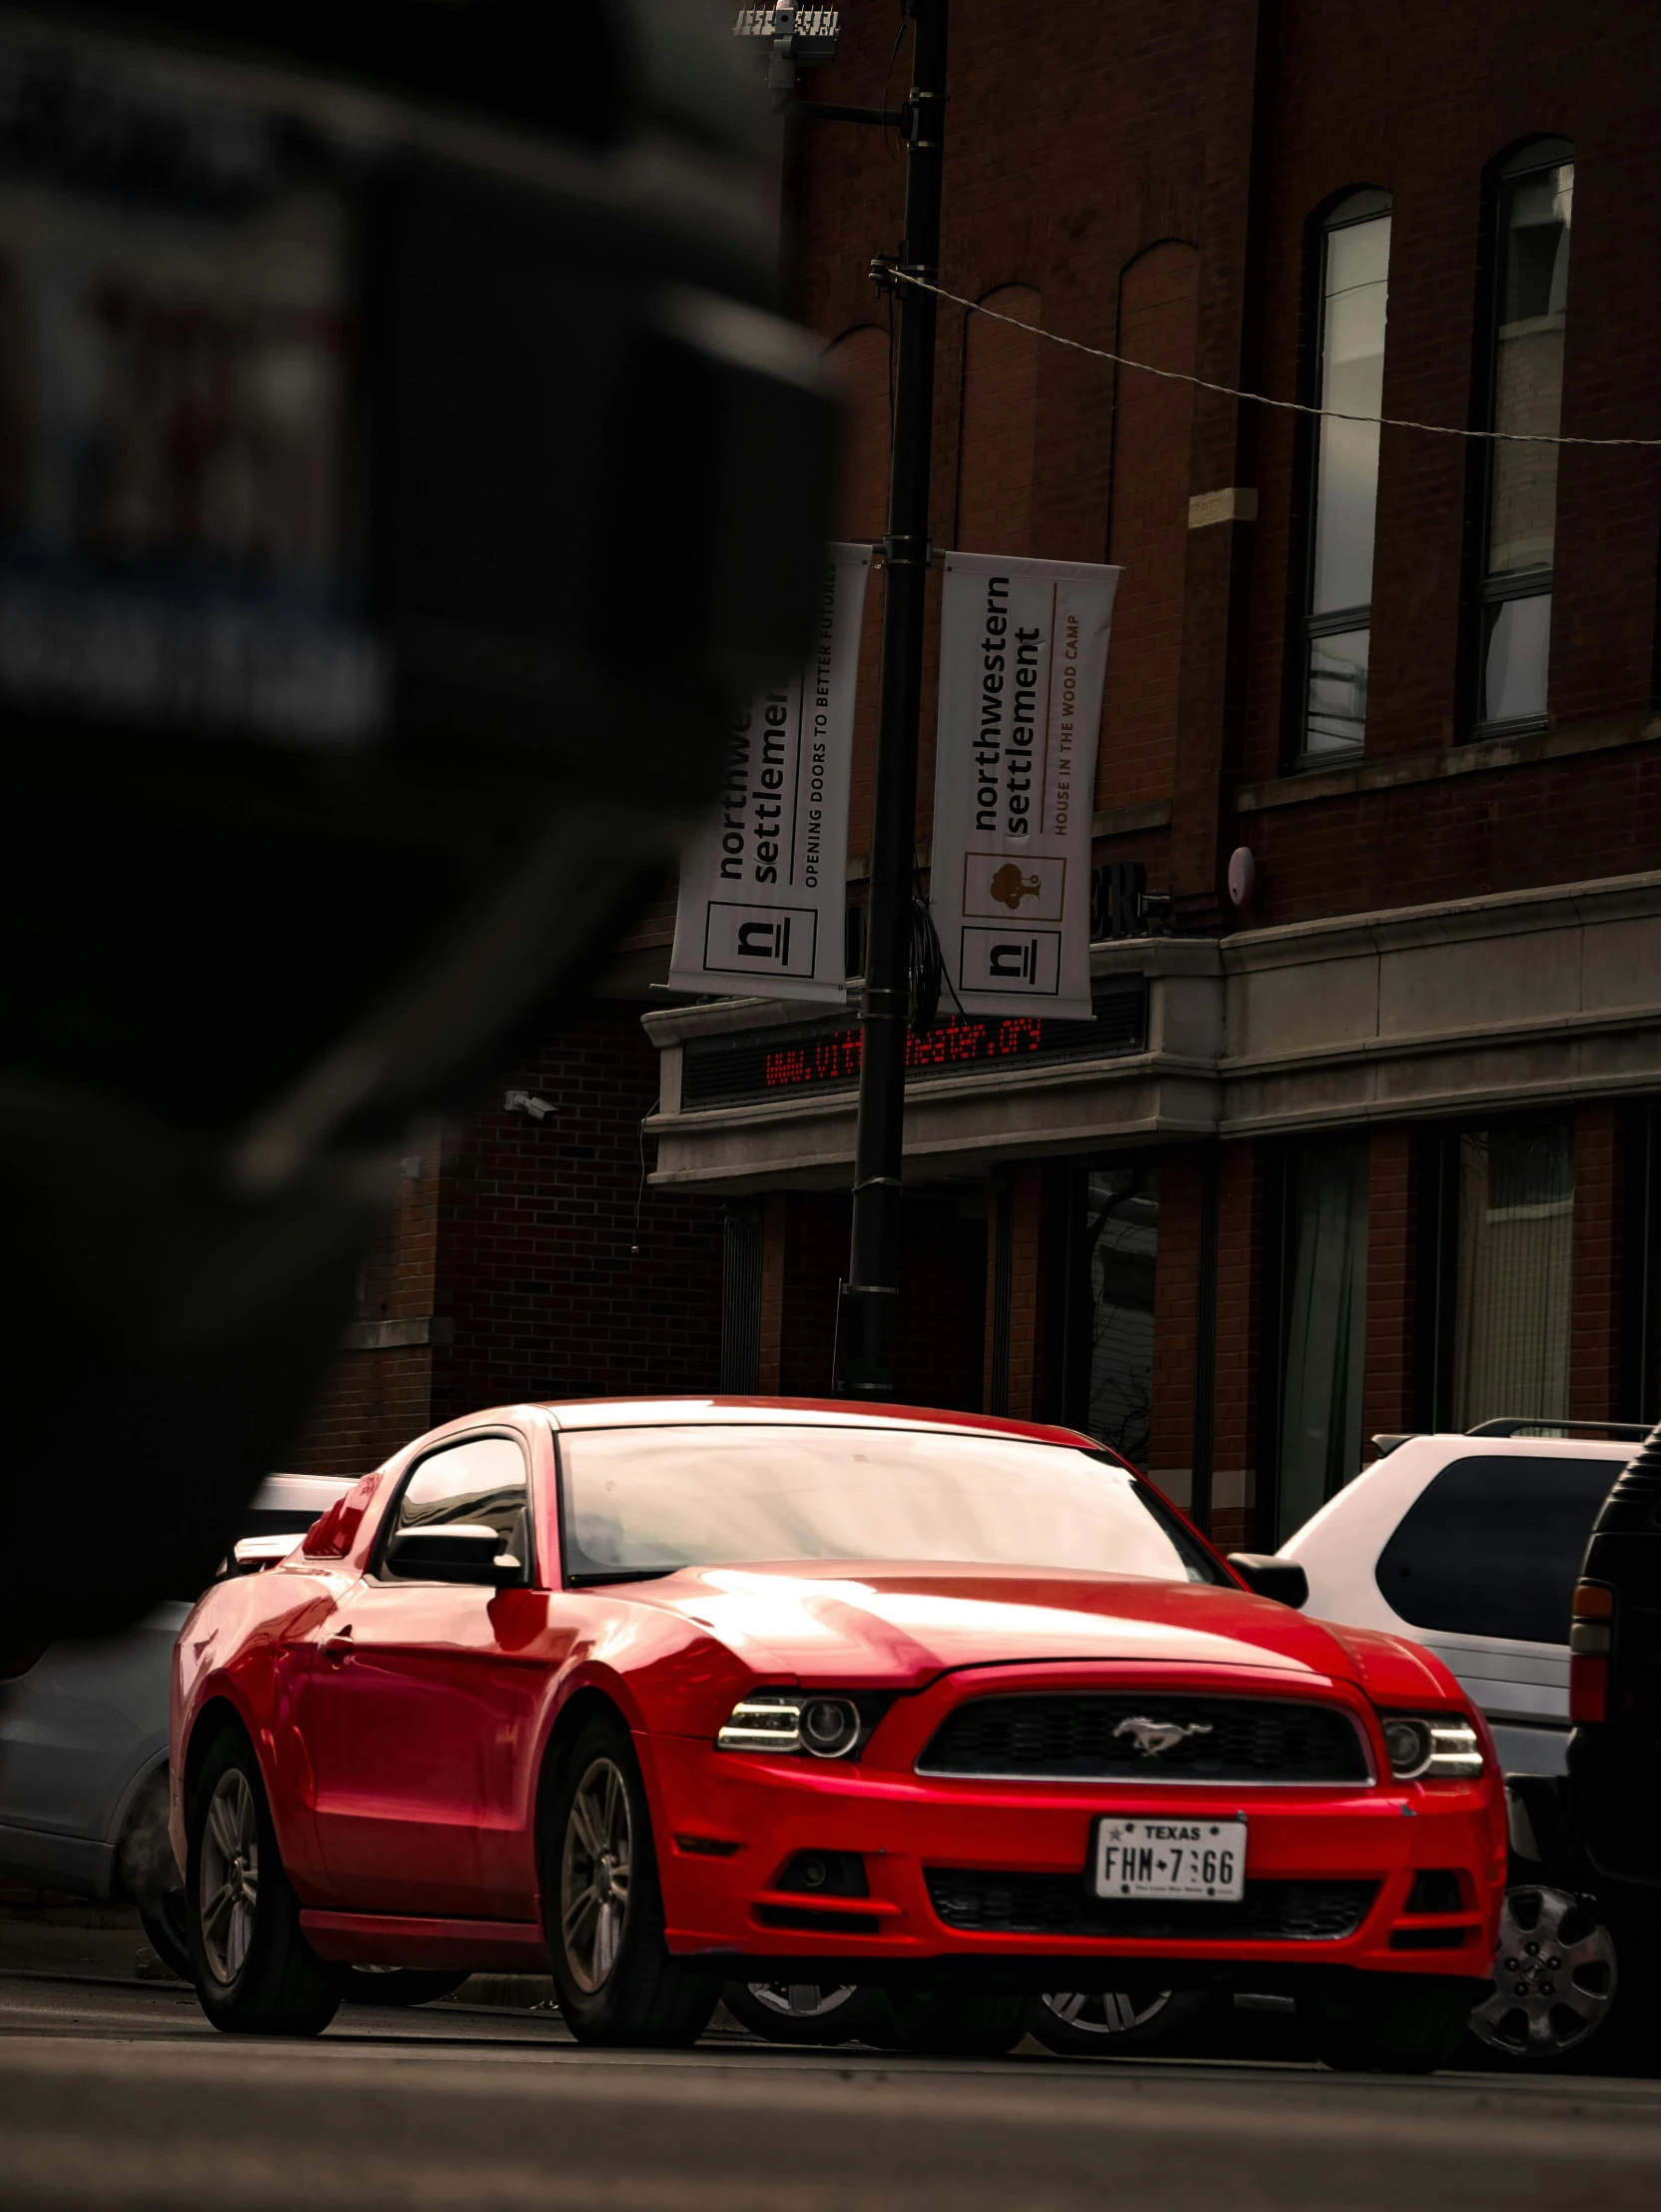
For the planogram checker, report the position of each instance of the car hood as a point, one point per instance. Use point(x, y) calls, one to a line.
point(866, 1621)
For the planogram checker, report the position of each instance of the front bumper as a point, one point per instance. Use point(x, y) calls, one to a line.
point(1316, 1858)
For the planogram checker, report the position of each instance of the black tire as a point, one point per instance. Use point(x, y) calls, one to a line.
point(1126, 2023)
point(165, 1926)
point(146, 1873)
point(616, 1980)
point(780, 2012)
point(254, 1970)
point(943, 2023)
point(400, 1984)
point(1390, 2023)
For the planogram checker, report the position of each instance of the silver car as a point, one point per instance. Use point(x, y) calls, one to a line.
point(83, 1742)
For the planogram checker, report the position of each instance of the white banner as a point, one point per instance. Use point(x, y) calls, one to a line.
point(1022, 648)
point(764, 885)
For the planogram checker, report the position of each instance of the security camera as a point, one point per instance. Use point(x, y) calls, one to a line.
point(525, 1102)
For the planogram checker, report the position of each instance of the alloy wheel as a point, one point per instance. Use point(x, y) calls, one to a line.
point(594, 1875)
point(803, 2000)
point(1554, 1975)
point(227, 1884)
point(1104, 2012)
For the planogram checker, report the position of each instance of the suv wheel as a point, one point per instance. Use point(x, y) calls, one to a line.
point(1555, 1978)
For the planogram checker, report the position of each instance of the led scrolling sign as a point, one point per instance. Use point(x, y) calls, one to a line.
point(825, 1054)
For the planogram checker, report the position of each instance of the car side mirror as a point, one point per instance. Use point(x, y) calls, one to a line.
point(1281, 1579)
point(456, 1551)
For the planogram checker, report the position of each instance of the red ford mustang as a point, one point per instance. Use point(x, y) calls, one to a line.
point(671, 1694)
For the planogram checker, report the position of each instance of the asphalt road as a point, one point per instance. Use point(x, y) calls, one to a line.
point(117, 2096)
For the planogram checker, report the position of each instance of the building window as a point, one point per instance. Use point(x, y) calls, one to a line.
point(1121, 1239)
point(1532, 213)
point(1323, 1328)
point(1354, 285)
point(1512, 1286)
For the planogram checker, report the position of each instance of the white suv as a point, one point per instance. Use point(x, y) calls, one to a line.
point(1470, 1545)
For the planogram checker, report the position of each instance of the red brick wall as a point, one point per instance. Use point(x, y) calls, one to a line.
point(999, 424)
point(1230, 128)
point(1595, 1282)
point(536, 1222)
point(1158, 309)
point(375, 1402)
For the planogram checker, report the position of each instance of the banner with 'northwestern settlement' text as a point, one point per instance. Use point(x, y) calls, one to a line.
point(764, 885)
point(1023, 651)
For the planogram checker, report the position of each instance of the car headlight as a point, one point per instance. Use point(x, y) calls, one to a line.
point(789, 1721)
point(1430, 1747)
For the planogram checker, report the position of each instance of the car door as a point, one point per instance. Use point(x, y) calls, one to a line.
point(421, 1706)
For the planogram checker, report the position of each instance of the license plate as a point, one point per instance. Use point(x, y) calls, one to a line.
point(1168, 1858)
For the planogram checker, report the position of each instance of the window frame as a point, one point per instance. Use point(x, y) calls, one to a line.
point(1526, 158)
point(375, 1569)
point(1354, 204)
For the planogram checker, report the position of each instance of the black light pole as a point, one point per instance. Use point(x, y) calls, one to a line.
point(868, 1308)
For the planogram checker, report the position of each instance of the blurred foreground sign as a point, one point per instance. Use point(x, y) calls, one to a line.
point(763, 882)
point(1023, 650)
point(177, 333)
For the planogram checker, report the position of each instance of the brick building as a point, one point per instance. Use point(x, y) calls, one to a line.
point(1376, 1149)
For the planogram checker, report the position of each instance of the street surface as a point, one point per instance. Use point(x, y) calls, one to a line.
point(117, 2096)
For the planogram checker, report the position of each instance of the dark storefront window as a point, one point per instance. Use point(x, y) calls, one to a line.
point(1323, 1328)
point(1122, 1239)
point(1514, 1255)
point(1641, 1267)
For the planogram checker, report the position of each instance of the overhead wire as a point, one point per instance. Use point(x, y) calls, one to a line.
point(898, 276)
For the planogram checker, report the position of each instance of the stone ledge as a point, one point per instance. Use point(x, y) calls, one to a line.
point(1454, 760)
point(395, 1337)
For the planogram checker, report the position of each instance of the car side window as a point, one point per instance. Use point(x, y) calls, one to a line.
point(1492, 1546)
point(481, 1479)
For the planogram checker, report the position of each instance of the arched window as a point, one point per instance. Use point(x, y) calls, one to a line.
point(1355, 262)
point(1533, 204)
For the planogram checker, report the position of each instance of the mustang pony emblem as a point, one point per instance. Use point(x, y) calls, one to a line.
point(1152, 1737)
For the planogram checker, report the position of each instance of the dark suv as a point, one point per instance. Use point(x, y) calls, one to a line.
point(1594, 1835)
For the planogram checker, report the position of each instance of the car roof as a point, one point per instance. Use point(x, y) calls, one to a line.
point(1448, 1443)
point(611, 1413)
point(1379, 1495)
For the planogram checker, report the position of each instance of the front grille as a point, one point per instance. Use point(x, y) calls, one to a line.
point(1083, 1737)
point(1059, 1905)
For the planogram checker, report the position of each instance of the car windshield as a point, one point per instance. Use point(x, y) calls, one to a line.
point(644, 1501)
